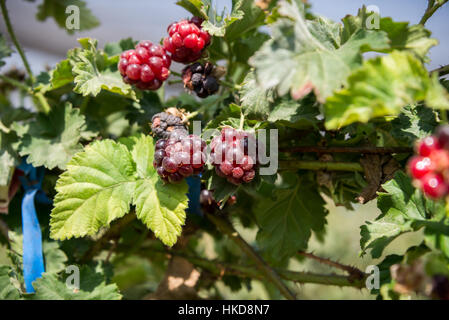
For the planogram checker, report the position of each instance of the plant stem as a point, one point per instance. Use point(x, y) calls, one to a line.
point(230, 85)
point(442, 71)
point(362, 150)
point(319, 165)
point(431, 8)
point(353, 271)
point(45, 107)
point(242, 121)
point(15, 83)
point(14, 40)
point(175, 73)
point(174, 81)
point(220, 268)
point(226, 227)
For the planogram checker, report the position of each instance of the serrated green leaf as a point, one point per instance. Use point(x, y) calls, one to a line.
point(96, 189)
point(252, 18)
point(383, 86)
point(61, 75)
point(401, 36)
point(195, 7)
point(160, 206)
point(56, 9)
point(5, 50)
point(404, 209)
point(222, 189)
point(216, 25)
point(287, 221)
point(256, 100)
point(305, 56)
point(414, 123)
point(94, 71)
point(55, 258)
point(7, 289)
point(8, 157)
point(51, 140)
point(295, 114)
point(92, 287)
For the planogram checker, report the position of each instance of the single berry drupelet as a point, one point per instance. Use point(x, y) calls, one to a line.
point(200, 78)
point(165, 124)
point(234, 155)
point(146, 66)
point(187, 40)
point(179, 157)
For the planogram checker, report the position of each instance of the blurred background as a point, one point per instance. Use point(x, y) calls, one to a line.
point(46, 44)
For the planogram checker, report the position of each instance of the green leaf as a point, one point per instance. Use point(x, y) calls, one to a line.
point(256, 100)
point(56, 9)
point(305, 56)
point(414, 123)
point(252, 18)
point(8, 157)
point(404, 209)
point(55, 258)
point(92, 287)
point(401, 36)
point(96, 189)
point(383, 86)
point(222, 189)
point(51, 140)
point(216, 25)
point(295, 114)
point(195, 7)
point(287, 221)
point(5, 50)
point(95, 71)
point(160, 206)
point(7, 289)
point(61, 75)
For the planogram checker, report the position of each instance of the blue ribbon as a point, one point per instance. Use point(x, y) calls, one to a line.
point(194, 183)
point(33, 259)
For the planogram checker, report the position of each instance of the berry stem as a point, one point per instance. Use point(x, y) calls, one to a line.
point(174, 73)
point(218, 268)
point(363, 150)
point(44, 106)
point(15, 41)
point(319, 165)
point(225, 226)
point(242, 121)
point(230, 85)
point(353, 271)
point(16, 83)
point(442, 71)
point(430, 10)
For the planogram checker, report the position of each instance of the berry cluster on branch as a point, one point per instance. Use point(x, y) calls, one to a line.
point(430, 168)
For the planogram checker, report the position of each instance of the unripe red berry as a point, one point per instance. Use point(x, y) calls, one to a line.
point(427, 146)
point(419, 166)
point(434, 186)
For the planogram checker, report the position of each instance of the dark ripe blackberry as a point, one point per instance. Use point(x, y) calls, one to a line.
point(443, 136)
point(175, 177)
point(199, 78)
point(161, 144)
point(210, 84)
point(159, 156)
point(440, 287)
point(196, 67)
point(163, 124)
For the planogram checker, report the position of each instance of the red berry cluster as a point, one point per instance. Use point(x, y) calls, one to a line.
point(186, 40)
point(147, 66)
point(430, 168)
point(233, 153)
point(179, 157)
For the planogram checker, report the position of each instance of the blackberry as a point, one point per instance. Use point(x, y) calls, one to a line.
point(146, 67)
point(230, 158)
point(201, 79)
point(186, 41)
point(176, 159)
point(168, 123)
